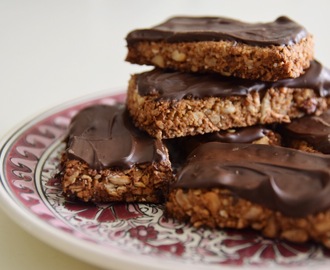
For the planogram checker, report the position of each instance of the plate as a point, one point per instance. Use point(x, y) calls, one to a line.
point(121, 236)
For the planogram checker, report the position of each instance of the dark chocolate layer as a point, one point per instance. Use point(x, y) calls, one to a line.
point(287, 180)
point(313, 129)
point(283, 31)
point(180, 148)
point(175, 85)
point(103, 136)
point(239, 135)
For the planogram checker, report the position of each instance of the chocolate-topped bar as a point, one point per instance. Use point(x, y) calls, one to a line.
point(280, 191)
point(263, 51)
point(309, 133)
point(170, 104)
point(107, 159)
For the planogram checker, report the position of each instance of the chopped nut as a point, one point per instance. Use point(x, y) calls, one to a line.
point(211, 201)
point(155, 50)
point(253, 213)
point(263, 140)
point(223, 213)
point(210, 62)
point(295, 235)
point(111, 189)
point(228, 107)
point(198, 116)
point(182, 199)
point(158, 60)
point(87, 177)
point(98, 176)
point(215, 119)
point(323, 226)
point(271, 228)
point(119, 180)
point(178, 56)
point(139, 184)
point(71, 179)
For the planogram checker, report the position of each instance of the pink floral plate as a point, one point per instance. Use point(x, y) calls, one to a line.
point(121, 236)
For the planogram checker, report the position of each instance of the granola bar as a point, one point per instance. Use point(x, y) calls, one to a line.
point(282, 192)
point(263, 51)
point(170, 104)
point(107, 159)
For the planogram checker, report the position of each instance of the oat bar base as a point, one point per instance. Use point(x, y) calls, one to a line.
point(219, 208)
point(177, 118)
point(228, 58)
point(141, 183)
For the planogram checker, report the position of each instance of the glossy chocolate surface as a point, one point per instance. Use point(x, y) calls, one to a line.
point(239, 135)
point(282, 31)
point(103, 136)
point(287, 180)
point(313, 129)
point(173, 85)
point(180, 148)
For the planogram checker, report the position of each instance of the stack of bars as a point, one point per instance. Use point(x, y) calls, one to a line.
point(229, 129)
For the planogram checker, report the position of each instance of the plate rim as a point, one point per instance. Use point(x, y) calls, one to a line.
point(74, 246)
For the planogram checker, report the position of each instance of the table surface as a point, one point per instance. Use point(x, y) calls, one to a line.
point(55, 51)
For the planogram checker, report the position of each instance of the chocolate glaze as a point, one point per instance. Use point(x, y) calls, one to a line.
point(286, 180)
point(180, 148)
point(103, 136)
point(239, 135)
point(283, 31)
point(313, 129)
point(173, 85)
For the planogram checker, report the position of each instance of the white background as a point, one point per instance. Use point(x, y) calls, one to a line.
point(55, 51)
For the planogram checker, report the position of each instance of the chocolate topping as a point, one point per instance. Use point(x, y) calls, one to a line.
point(240, 135)
point(286, 180)
point(180, 148)
point(103, 136)
point(175, 85)
point(313, 129)
point(282, 31)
